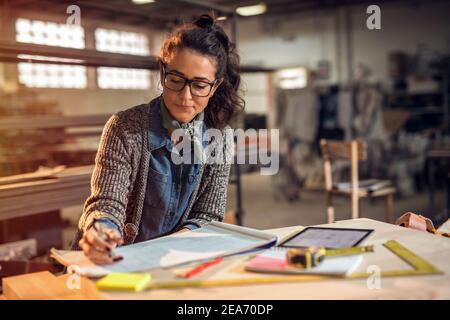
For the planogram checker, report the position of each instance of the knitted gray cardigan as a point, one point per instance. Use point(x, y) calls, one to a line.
point(119, 179)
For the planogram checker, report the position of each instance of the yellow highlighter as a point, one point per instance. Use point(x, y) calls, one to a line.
point(117, 281)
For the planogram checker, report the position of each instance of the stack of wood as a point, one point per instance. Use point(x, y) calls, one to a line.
point(43, 191)
point(22, 150)
point(36, 138)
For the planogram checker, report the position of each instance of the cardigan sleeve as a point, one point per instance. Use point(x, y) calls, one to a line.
point(110, 182)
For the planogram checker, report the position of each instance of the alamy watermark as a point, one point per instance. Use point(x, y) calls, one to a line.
point(73, 281)
point(74, 17)
point(373, 21)
point(228, 146)
point(374, 279)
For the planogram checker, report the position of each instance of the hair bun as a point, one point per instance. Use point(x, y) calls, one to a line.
point(204, 21)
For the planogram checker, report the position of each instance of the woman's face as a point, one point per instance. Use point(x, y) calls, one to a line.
point(182, 105)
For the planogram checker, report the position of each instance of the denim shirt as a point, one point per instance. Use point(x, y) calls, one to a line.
point(169, 188)
point(169, 185)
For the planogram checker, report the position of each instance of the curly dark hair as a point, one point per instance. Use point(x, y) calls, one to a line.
point(207, 38)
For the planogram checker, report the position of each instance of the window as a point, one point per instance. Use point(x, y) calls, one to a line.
point(42, 75)
point(108, 40)
point(124, 42)
point(123, 78)
point(49, 33)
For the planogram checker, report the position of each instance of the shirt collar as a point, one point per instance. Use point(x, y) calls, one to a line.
point(160, 119)
point(158, 135)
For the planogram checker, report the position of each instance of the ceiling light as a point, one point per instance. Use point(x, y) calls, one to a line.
point(252, 10)
point(143, 1)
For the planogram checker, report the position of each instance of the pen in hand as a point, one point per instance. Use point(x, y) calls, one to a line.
point(98, 227)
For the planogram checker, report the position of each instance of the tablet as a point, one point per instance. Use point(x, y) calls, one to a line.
point(327, 237)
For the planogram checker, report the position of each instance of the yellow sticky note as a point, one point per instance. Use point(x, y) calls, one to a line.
point(117, 281)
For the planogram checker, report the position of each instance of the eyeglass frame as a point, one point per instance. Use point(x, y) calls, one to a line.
point(187, 81)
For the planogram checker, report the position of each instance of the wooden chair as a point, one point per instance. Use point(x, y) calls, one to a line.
point(354, 151)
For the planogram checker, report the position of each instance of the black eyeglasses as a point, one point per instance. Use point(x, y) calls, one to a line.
point(176, 82)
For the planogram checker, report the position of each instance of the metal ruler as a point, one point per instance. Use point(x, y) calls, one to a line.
point(419, 265)
point(348, 251)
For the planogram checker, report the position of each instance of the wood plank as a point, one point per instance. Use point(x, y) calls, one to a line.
point(44, 138)
point(42, 186)
point(69, 178)
point(52, 121)
point(32, 176)
point(44, 285)
point(44, 202)
point(67, 188)
point(43, 197)
point(72, 172)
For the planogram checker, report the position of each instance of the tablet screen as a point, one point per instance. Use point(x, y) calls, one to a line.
point(327, 237)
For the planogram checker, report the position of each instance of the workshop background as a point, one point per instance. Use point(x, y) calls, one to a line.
point(324, 73)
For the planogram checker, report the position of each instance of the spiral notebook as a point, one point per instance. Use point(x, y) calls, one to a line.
point(274, 261)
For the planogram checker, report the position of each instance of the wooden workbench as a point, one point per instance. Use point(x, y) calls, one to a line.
point(433, 248)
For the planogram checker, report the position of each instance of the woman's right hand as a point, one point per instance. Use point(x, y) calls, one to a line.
point(97, 249)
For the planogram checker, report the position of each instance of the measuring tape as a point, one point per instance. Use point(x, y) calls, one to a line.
point(305, 258)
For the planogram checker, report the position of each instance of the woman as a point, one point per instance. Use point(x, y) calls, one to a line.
point(137, 191)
